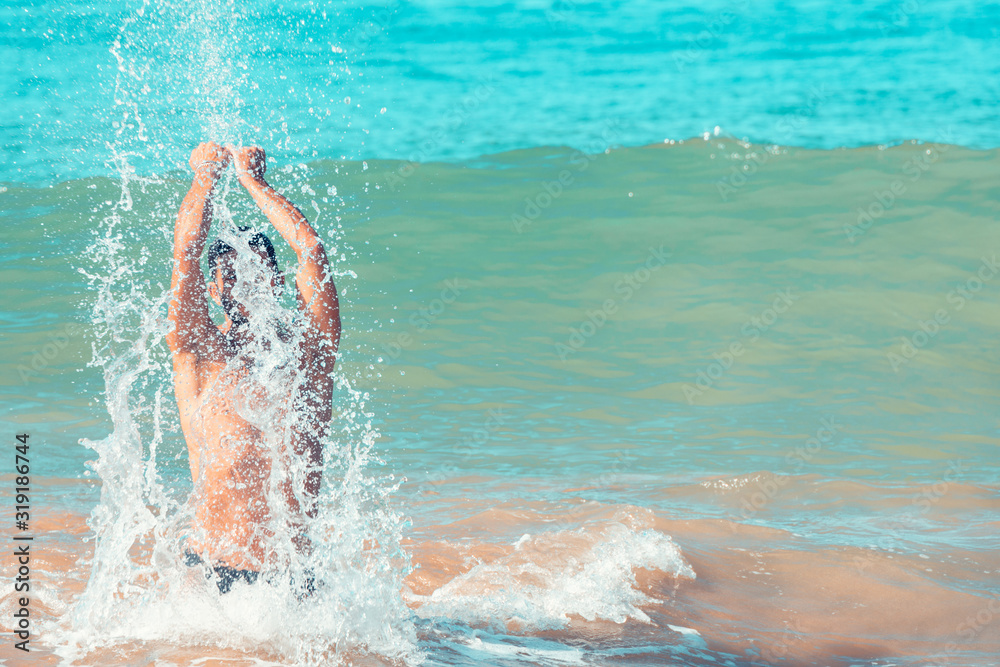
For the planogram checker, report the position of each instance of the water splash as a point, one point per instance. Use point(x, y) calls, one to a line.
point(587, 572)
point(140, 591)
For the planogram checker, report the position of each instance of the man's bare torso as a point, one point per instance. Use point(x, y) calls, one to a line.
point(239, 428)
point(234, 464)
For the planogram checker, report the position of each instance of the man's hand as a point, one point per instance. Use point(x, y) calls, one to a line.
point(209, 158)
point(250, 161)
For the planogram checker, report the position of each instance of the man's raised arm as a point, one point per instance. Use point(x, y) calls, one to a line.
point(317, 293)
point(193, 332)
point(317, 297)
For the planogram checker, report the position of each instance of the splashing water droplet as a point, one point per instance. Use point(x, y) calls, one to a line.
point(140, 589)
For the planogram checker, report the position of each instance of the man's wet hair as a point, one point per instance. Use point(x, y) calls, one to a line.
point(220, 248)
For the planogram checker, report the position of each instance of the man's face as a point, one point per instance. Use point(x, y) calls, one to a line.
point(227, 277)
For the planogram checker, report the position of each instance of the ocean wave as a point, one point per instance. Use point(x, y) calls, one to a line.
point(551, 577)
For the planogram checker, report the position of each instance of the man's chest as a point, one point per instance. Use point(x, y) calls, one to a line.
point(237, 393)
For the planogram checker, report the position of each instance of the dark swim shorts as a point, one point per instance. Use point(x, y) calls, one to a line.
point(226, 576)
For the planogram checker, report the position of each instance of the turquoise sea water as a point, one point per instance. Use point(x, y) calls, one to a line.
point(702, 401)
point(440, 80)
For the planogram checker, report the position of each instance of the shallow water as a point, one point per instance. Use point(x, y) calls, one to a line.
point(829, 507)
point(695, 402)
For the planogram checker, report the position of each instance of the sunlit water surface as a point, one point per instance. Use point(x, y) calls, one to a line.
point(699, 402)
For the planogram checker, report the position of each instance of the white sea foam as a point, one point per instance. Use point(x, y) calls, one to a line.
point(548, 578)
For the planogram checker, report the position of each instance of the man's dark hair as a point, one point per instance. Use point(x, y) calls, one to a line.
point(220, 248)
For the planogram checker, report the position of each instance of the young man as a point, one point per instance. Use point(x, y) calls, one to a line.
point(220, 402)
